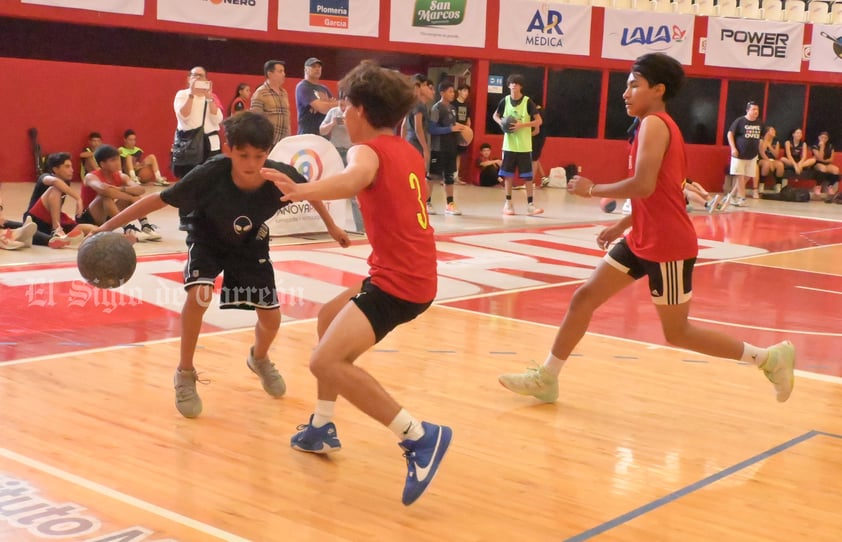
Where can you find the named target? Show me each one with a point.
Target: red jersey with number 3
(661, 229)
(403, 249)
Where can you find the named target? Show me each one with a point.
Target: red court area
(523, 274)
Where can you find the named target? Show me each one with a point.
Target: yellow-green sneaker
(779, 368)
(536, 381)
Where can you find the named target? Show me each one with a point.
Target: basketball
(608, 205)
(106, 259)
(465, 136)
(509, 124)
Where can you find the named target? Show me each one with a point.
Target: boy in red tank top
(661, 244)
(387, 175)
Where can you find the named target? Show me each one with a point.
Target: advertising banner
(450, 22)
(545, 27)
(826, 49)
(248, 14)
(629, 34)
(128, 7)
(351, 17)
(754, 45)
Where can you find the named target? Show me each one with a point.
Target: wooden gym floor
(647, 443)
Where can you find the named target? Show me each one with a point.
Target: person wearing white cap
(312, 99)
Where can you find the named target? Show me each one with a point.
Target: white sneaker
(536, 381)
(627, 207)
(508, 208)
(25, 233)
(149, 230)
(139, 236)
(779, 368)
(532, 210)
(7, 240)
(711, 205)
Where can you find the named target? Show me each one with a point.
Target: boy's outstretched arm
(340, 235)
(142, 207)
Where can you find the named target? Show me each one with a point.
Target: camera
(202, 85)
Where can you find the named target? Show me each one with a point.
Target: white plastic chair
(796, 11)
(599, 3)
(621, 4)
(818, 12)
(705, 7)
(836, 13)
(662, 6)
(750, 9)
(773, 10)
(684, 7)
(642, 5)
(727, 8)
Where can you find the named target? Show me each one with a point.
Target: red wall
(66, 101)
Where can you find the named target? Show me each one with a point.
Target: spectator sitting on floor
(489, 174)
(45, 206)
(86, 157)
(135, 165)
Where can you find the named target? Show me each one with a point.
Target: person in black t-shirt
(226, 233)
(744, 139)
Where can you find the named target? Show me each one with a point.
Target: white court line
(651, 346)
(761, 328)
(122, 497)
(134, 345)
(837, 292)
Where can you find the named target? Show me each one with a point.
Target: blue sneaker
(316, 440)
(422, 459)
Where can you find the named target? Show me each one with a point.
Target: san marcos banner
(452, 22)
(628, 34)
(128, 7)
(248, 14)
(754, 45)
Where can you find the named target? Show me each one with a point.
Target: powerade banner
(826, 49)
(128, 7)
(351, 17)
(546, 27)
(248, 14)
(448, 22)
(629, 34)
(754, 45)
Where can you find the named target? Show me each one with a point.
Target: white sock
(323, 413)
(405, 427)
(553, 364)
(157, 173)
(754, 355)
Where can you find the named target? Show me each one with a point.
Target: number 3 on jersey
(423, 219)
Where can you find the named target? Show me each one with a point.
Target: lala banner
(248, 14)
(128, 7)
(545, 27)
(453, 22)
(628, 34)
(826, 49)
(754, 45)
(351, 17)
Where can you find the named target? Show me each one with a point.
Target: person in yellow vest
(517, 116)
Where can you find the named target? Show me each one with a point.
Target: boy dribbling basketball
(229, 200)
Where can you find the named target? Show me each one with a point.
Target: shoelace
(152, 227)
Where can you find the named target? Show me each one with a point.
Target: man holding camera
(191, 105)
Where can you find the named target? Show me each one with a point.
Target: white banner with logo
(314, 157)
(545, 27)
(249, 14)
(754, 45)
(454, 22)
(351, 17)
(629, 34)
(826, 49)
(128, 7)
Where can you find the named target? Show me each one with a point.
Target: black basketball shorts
(248, 276)
(384, 311)
(670, 283)
(520, 161)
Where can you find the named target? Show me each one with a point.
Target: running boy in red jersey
(662, 244)
(387, 175)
